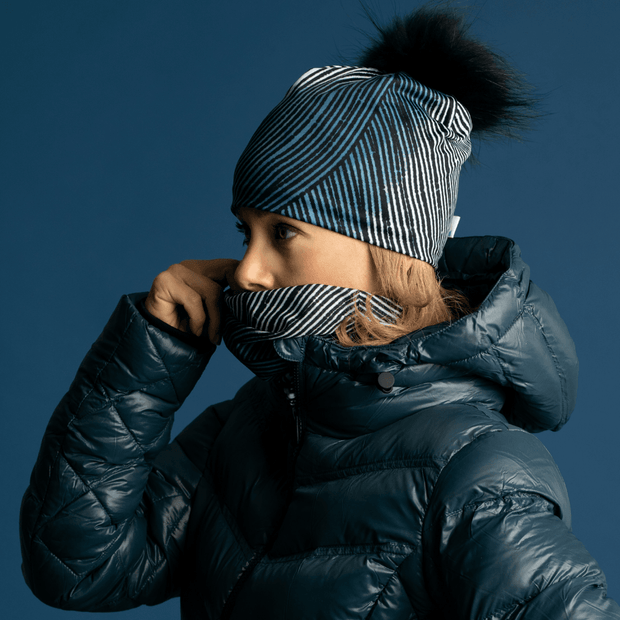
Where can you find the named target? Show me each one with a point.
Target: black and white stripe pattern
(256, 319)
(369, 155)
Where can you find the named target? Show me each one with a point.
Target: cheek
(356, 266)
(307, 264)
(334, 260)
(347, 265)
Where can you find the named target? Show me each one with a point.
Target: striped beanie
(371, 155)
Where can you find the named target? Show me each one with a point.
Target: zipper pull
(290, 391)
(292, 399)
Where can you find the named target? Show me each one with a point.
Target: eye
(245, 230)
(283, 232)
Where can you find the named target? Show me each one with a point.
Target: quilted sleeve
(101, 529)
(497, 542)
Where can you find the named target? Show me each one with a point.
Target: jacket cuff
(200, 343)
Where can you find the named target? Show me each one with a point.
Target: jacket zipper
(292, 395)
(293, 400)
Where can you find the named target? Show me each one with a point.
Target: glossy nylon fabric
(430, 501)
(370, 155)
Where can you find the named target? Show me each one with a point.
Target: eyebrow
(259, 213)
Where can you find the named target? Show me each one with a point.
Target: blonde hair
(413, 285)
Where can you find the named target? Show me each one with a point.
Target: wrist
(201, 343)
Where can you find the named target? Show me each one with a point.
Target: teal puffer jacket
(430, 499)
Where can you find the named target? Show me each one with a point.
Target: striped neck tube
(254, 320)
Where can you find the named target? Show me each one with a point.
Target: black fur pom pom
(432, 46)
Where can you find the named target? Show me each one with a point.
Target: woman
(381, 464)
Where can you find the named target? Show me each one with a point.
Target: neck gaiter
(254, 320)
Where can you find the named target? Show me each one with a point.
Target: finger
(219, 270)
(168, 293)
(214, 309)
(230, 278)
(210, 293)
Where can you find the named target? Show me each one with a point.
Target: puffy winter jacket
(429, 499)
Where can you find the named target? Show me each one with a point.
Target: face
(286, 252)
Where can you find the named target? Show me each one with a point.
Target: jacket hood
(515, 341)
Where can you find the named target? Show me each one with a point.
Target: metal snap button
(385, 382)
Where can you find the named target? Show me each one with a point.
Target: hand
(186, 294)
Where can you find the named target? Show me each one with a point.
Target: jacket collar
(512, 353)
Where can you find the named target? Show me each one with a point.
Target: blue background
(120, 125)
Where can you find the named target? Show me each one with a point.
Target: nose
(254, 273)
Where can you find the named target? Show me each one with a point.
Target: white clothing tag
(453, 224)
